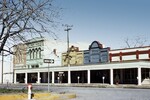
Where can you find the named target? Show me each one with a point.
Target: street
(105, 93)
(111, 94)
(92, 93)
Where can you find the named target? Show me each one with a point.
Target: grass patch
(23, 90)
(4, 90)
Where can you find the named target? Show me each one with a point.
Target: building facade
(20, 55)
(35, 51)
(19, 60)
(139, 56)
(96, 54)
(95, 65)
(75, 57)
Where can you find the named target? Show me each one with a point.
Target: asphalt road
(112, 94)
(91, 93)
(105, 93)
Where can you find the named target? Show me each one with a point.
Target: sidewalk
(104, 85)
(96, 85)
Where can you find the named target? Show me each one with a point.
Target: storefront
(97, 65)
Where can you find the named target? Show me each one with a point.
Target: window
(20, 59)
(33, 53)
(95, 58)
(30, 53)
(39, 50)
(28, 66)
(32, 66)
(19, 56)
(35, 66)
(36, 53)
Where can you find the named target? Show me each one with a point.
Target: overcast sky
(110, 22)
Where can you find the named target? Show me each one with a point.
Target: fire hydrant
(30, 94)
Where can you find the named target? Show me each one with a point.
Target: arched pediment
(95, 44)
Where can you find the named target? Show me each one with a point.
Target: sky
(110, 22)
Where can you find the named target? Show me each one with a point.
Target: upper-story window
(35, 53)
(30, 54)
(19, 56)
(39, 53)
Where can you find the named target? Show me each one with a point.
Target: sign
(49, 61)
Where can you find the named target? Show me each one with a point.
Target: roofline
(35, 40)
(130, 48)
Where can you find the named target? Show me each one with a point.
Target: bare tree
(23, 19)
(137, 42)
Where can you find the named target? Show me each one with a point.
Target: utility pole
(2, 54)
(5, 24)
(68, 28)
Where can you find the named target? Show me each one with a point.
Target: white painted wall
(130, 49)
(7, 70)
(143, 56)
(49, 46)
(61, 47)
(130, 57)
(116, 58)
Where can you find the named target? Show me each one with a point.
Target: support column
(26, 78)
(53, 77)
(39, 78)
(149, 72)
(111, 77)
(89, 77)
(15, 81)
(69, 76)
(139, 76)
(121, 75)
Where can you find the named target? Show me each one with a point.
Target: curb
(38, 96)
